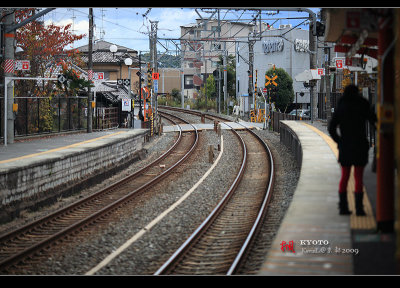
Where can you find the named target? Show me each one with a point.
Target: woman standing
(351, 116)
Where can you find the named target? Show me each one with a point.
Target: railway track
(219, 245)
(24, 245)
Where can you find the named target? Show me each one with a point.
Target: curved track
(220, 243)
(23, 245)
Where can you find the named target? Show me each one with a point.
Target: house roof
(109, 89)
(104, 45)
(101, 53)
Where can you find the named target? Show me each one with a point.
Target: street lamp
(113, 48)
(18, 50)
(128, 62)
(301, 94)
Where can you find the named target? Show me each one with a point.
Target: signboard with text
(22, 65)
(126, 105)
(98, 76)
(339, 63)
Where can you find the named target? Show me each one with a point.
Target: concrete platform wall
(28, 182)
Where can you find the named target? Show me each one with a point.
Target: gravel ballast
(155, 246)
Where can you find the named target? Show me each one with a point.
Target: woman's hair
(351, 91)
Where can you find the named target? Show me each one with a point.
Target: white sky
(128, 27)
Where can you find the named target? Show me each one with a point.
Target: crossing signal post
(149, 93)
(271, 86)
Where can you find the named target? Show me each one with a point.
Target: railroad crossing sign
(271, 80)
(61, 78)
(125, 82)
(155, 76)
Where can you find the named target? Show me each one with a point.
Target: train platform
(25, 148)
(313, 238)
(35, 170)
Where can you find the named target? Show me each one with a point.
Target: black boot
(359, 203)
(343, 205)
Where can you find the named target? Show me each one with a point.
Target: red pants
(358, 175)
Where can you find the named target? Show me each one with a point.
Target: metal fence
(278, 116)
(106, 118)
(43, 115)
(322, 110)
(322, 103)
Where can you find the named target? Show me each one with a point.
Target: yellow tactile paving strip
(356, 222)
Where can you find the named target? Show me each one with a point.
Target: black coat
(351, 116)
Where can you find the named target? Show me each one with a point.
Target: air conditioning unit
(283, 26)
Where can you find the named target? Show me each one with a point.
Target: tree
(75, 83)
(210, 87)
(282, 94)
(43, 45)
(176, 95)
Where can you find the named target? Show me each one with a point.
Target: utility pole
(328, 84)
(219, 88)
(9, 29)
(9, 62)
(327, 53)
(140, 114)
(250, 72)
(205, 76)
(313, 65)
(226, 98)
(153, 57)
(90, 72)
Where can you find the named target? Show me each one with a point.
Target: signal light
(320, 29)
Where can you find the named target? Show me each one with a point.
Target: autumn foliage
(47, 47)
(44, 46)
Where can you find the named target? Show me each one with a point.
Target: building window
(216, 46)
(188, 82)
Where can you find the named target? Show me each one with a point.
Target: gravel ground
(146, 254)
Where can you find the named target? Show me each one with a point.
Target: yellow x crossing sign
(271, 79)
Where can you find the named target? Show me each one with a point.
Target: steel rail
(90, 219)
(246, 245)
(90, 197)
(169, 265)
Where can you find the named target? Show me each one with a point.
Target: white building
(283, 47)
